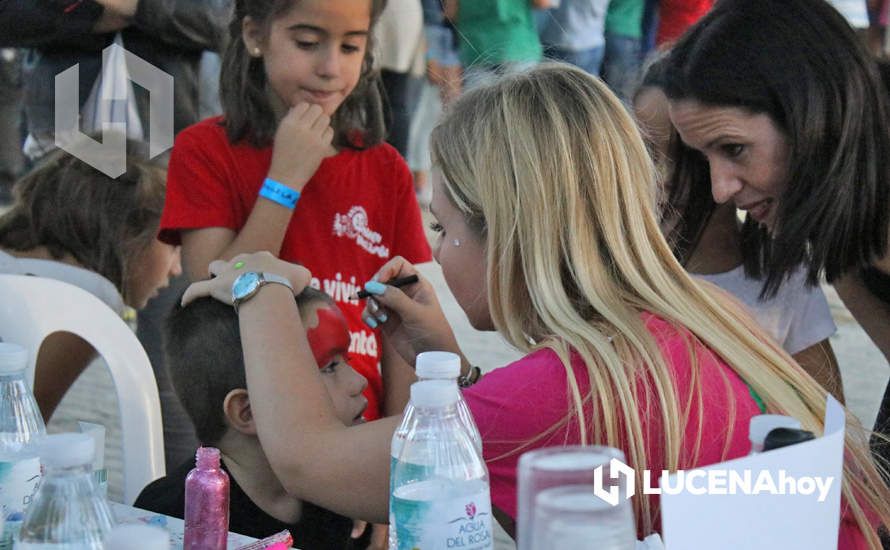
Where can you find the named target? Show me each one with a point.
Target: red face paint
(330, 337)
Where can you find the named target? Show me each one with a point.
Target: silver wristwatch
(249, 283)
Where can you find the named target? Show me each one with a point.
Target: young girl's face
(151, 271)
(314, 52)
(328, 336)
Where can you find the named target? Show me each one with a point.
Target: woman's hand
(411, 317)
(224, 274)
(302, 141)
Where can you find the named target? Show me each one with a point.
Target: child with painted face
(207, 372)
(297, 166)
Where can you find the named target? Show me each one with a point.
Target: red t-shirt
(357, 212)
(675, 16)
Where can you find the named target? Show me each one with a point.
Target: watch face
(245, 285)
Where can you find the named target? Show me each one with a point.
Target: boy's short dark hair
(205, 359)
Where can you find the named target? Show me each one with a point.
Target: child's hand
(411, 316)
(224, 274)
(302, 141)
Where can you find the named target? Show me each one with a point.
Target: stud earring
(456, 242)
(256, 52)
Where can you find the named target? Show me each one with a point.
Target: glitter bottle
(206, 503)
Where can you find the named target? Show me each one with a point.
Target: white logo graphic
(354, 225)
(709, 482)
(616, 470)
(114, 99)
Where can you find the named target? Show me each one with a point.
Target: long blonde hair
(552, 172)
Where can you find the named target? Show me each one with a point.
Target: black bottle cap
(783, 437)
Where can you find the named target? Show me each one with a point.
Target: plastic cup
(557, 467)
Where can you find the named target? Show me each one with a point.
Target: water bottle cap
(763, 424)
(132, 536)
(13, 358)
(67, 450)
(438, 365)
(433, 393)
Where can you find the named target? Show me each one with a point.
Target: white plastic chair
(32, 308)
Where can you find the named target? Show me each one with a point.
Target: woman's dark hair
(800, 63)
(104, 223)
(358, 122)
(689, 201)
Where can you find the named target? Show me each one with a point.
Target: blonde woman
(547, 235)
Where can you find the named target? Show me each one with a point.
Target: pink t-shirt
(515, 404)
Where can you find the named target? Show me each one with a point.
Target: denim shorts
(441, 46)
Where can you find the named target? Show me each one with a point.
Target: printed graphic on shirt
(337, 288)
(354, 225)
(362, 343)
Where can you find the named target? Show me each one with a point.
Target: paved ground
(863, 368)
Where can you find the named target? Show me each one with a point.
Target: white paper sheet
(765, 521)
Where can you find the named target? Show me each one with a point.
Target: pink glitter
(206, 503)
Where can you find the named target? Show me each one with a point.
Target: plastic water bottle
(442, 365)
(69, 512)
(441, 496)
(761, 425)
(435, 365)
(21, 428)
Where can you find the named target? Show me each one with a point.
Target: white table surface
(174, 526)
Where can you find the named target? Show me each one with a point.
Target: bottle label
(19, 482)
(424, 520)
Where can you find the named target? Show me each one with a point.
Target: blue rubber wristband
(279, 193)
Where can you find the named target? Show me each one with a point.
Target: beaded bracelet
(467, 380)
(279, 193)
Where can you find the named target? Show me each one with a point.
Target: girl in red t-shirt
(297, 166)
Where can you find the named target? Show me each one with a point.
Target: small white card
(779, 515)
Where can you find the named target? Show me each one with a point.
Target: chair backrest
(32, 308)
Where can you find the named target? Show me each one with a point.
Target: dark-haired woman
(72, 223)
(797, 316)
(792, 114)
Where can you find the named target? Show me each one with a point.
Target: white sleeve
(811, 319)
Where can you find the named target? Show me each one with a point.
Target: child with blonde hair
(548, 234)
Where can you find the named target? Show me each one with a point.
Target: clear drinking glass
(558, 507)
